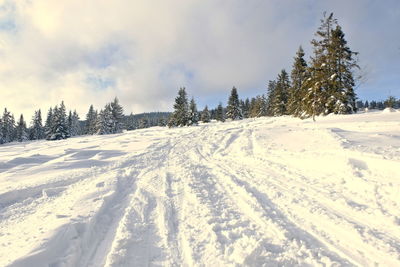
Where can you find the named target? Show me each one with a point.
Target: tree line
(321, 86)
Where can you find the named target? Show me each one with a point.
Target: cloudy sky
(89, 51)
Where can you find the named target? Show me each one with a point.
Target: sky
(142, 51)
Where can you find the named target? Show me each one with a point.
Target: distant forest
(322, 86)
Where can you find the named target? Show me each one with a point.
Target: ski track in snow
(258, 192)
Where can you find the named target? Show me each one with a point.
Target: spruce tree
(205, 115)
(342, 80)
(8, 127)
(297, 90)
(59, 124)
(220, 116)
(331, 83)
(193, 113)
(21, 130)
(280, 94)
(233, 110)
(270, 97)
(91, 121)
(105, 122)
(180, 116)
(117, 113)
(37, 130)
(75, 128)
(49, 124)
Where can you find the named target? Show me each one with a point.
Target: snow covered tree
(205, 115)
(270, 97)
(37, 129)
(299, 75)
(193, 113)
(245, 107)
(233, 110)
(48, 127)
(258, 106)
(331, 83)
(59, 127)
(280, 95)
(105, 122)
(144, 123)
(117, 113)
(220, 116)
(8, 127)
(390, 102)
(91, 121)
(21, 130)
(73, 124)
(180, 116)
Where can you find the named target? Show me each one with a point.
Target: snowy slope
(263, 192)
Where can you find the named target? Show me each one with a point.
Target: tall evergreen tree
(49, 123)
(8, 127)
(105, 122)
(193, 113)
(91, 121)
(270, 97)
(21, 130)
(117, 113)
(74, 126)
(233, 110)
(37, 130)
(342, 80)
(297, 90)
(205, 115)
(245, 107)
(220, 116)
(280, 96)
(180, 116)
(59, 124)
(331, 83)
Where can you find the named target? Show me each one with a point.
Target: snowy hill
(270, 191)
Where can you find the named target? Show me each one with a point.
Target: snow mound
(259, 192)
(389, 110)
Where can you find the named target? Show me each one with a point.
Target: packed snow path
(263, 192)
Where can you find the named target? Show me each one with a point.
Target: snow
(257, 192)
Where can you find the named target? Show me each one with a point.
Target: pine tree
(390, 102)
(69, 123)
(299, 75)
(21, 130)
(105, 122)
(205, 115)
(342, 80)
(59, 124)
(180, 116)
(245, 107)
(331, 82)
(220, 116)
(280, 94)
(233, 110)
(144, 123)
(8, 127)
(75, 128)
(91, 121)
(37, 130)
(193, 113)
(117, 113)
(270, 97)
(49, 124)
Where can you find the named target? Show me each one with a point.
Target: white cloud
(88, 51)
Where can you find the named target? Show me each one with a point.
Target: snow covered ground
(258, 192)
